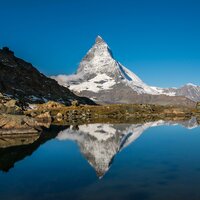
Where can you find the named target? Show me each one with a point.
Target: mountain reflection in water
(99, 143)
(103, 161)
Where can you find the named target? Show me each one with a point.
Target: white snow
(32, 106)
(162, 91)
(34, 98)
(100, 82)
(191, 84)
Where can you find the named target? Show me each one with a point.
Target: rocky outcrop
(16, 130)
(24, 82)
(11, 123)
(50, 105)
(10, 106)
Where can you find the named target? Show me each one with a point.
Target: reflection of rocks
(15, 138)
(12, 151)
(190, 124)
(99, 143)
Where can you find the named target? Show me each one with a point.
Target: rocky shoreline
(16, 117)
(82, 114)
(14, 120)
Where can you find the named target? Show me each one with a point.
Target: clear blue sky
(158, 39)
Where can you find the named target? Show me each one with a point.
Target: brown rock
(16, 137)
(50, 105)
(44, 119)
(20, 122)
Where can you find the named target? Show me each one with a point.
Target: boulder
(9, 106)
(21, 122)
(75, 103)
(50, 105)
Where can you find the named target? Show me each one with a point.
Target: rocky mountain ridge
(104, 79)
(20, 80)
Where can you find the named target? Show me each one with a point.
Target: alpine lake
(127, 159)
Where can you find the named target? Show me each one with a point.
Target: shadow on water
(16, 152)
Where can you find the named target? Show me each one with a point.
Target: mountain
(104, 79)
(100, 143)
(189, 90)
(21, 80)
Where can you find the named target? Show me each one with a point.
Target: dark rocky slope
(22, 81)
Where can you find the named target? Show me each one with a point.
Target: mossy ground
(114, 113)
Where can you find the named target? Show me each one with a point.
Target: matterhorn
(105, 80)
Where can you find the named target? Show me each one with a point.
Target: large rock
(10, 106)
(21, 122)
(50, 105)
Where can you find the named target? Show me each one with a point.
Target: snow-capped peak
(191, 84)
(100, 60)
(100, 72)
(97, 59)
(99, 39)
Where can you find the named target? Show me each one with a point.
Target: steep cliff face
(21, 80)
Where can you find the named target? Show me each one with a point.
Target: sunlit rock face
(99, 143)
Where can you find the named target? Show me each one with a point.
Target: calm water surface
(155, 160)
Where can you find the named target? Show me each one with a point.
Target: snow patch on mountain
(191, 84)
(99, 82)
